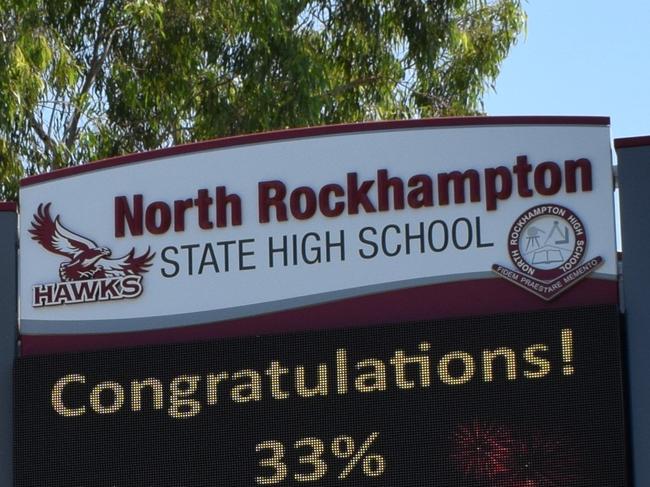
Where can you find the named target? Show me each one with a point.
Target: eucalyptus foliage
(82, 80)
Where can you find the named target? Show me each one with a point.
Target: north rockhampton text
(276, 202)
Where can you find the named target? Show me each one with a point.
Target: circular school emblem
(546, 241)
(547, 244)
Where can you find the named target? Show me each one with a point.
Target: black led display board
(512, 400)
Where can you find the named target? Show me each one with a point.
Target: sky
(580, 57)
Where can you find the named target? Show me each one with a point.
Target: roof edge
(626, 142)
(8, 206)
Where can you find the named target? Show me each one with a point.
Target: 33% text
(313, 456)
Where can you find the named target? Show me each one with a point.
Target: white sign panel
(255, 225)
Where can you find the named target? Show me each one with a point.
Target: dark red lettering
(459, 179)
(325, 203)
(522, 169)
(358, 195)
(384, 185)
(225, 201)
(180, 206)
(492, 194)
(266, 200)
(158, 217)
(554, 175)
(422, 195)
(203, 202)
(298, 195)
(571, 169)
(124, 214)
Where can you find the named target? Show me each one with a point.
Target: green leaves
(86, 80)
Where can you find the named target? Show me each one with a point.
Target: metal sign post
(8, 323)
(634, 177)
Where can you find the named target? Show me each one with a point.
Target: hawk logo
(89, 273)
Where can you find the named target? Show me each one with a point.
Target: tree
(85, 80)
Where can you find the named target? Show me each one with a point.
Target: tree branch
(352, 84)
(96, 63)
(48, 142)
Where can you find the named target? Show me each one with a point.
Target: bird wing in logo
(126, 265)
(87, 260)
(53, 236)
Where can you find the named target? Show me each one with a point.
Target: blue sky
(580, 57)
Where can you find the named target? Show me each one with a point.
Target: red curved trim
(435, 301)
(626, 142)
(8, 206)
(314, 132)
